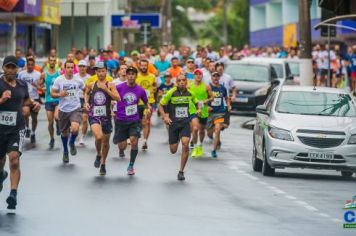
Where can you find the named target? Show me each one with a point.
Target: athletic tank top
(49, 80)
(201, 94)
(100, 103)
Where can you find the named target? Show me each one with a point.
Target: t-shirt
(49, 81)
(227, 82)
(73, 87)
(11, 118)
(31, 79)
(165, 88)
(84, 78)
(116, 82)
(162, 66)
(219, 94)
(353, 62)
(127, 107)
(146, 82)
(94, 78)
(175, 71)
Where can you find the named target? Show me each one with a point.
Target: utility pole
(72, 26)
(225, 22)
(169, 21)
(305, 44)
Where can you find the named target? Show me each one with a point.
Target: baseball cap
(91, 57)
(135, 52)
(82, 63)
(131, 68)
(167, 74)
(190, 59)
(100, 65)
(10, 60)
(198, 71)
(215, 73)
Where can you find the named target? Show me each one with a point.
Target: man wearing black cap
(13, 96)
(91, 65)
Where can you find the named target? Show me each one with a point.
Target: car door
(262, 121)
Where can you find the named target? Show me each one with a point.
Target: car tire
(346, 174)
(256, 163)
(267, 170)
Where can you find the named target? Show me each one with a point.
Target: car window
(294, 68)
(246, 72)
(279, 70)
(270, 101)
(316, 103)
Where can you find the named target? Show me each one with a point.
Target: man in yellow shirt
(148, 82)
(94, 77)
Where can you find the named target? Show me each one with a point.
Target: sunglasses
(190, 62)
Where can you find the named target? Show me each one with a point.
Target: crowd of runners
(112, 93)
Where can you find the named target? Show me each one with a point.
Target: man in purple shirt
(127, 120)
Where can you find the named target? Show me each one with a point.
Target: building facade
(275, 23)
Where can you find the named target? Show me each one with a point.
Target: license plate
(242, 99)
(321, 155)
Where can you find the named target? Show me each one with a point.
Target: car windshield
(279, 70)
(254, 73)
(294, 67)
(316, 103)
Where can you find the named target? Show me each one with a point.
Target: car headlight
(280, 133)
(262, 91)
(352, 139)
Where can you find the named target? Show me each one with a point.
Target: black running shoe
(51, 144)
(33, 138)
(191, 145)
(3, 176)
(97, 162)
(181, 176)
(65, 157)
(11, 202)
(121, 153)
(144, 146)
(102, 170)
(73, 149)
(27, 133)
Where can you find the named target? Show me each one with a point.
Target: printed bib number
(99, 110)
(72, 93)
(181, 112)
(216, 102)
(131, 110)
(8, 118)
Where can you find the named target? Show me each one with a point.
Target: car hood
(250, 86)
(293, 122)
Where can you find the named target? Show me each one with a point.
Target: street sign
(134, 21)
(326, 14)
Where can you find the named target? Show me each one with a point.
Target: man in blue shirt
(162, 65)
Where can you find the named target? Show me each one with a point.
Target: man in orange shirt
(175, 69)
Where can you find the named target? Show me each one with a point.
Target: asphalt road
(219, 197)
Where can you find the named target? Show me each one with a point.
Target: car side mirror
(275, 82)
(290, 77)
(262, 109)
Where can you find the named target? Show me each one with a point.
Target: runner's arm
(55, 91)
(210, 94)
(30, 102)
(113, 93)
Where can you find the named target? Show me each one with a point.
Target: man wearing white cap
(83, 75)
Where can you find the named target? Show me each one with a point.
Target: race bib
(99, 110)
(216, 102)
(8, 118)
(181, 112)
(72, 93)
(131, 110)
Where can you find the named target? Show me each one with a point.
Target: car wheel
(267, 170)
(256, 163)
(346, 174)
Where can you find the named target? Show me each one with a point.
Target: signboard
(326, 14)
(290, 35)
(50, 12)
(27, 7)
(134, 21)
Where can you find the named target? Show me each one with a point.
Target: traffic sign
(134, 21)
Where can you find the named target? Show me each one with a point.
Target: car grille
(307, 131)
(321, 142)
(304, 157)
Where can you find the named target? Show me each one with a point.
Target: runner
(148, 82)
(203, 94)
(127, 119)
(216, 118)
(31, 77)
(98, 97)
(13, 96)
(67, 89)
(51, 104)
(84, 76)
(177, 103)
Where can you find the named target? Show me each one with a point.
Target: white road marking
(290, 197)
(324, 215)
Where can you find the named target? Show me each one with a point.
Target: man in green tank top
(203, 94)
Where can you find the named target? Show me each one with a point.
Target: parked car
(253, 82)
(294, 65)
(305, 127)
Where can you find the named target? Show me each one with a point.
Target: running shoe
(213, 154)
(130, 170)
(81, 140)
(181, 176)
(195, 152)
(65, 157)
(51, 144)
(97, 162)
(27, 133)
(33, 138)
(200, 151)
(191, 145)
(144, 146)
(11, 202)
(73, 149)
(2, 179)
(121, 154)
(102, 170)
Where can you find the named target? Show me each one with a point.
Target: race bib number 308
(8, 118)
(182, 112)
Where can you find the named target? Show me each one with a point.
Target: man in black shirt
(13, 96)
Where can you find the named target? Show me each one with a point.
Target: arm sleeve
(166, 98)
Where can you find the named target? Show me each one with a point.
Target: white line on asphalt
(262, 182)
(324, 215)
(336, 220)
(290, 197)
(233, 167)
(250, 176)
(276, 190)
